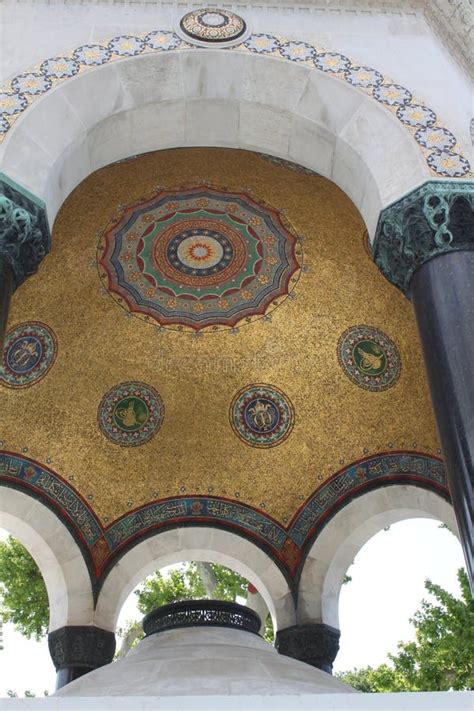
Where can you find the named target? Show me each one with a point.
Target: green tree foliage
(23, 596)
(186, 583)
(441, 656)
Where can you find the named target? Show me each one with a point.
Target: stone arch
(196, 543)
(55, 552)
(229, 98)
(346, 533)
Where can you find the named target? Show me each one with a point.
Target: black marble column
(6, 290)
(313, 643)
(77, 650)
(442, 292)
(425, 246)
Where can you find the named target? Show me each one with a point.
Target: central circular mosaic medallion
(130, 414)
(369, 358)
(261, 415)
(29, 352)
(199, 259)
(212, 25)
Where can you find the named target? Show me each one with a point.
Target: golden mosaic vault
(292, 348)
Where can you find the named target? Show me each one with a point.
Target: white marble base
(445, 701)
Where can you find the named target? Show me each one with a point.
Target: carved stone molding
(24, 231)
(434, 219)
(86, 647)
(313, 643)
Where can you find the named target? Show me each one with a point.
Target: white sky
(387, 586)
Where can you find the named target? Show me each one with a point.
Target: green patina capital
(434, 219)
(24, 231)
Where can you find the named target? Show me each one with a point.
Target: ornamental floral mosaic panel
(199, 258)
(443, 158)
(212, 25)
(369, 358)
(130, 414)
(261, 415)
(103, 545)
(29, 352)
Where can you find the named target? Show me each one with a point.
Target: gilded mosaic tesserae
(209, 323)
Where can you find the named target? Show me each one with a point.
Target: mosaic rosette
(60, 67)
(369, 358)
(392, 95)
(29, 352)
(261, 415)
(162, 41)
(12, 103)
(297, 51)
(92, 55)
(332, 62)
(130, 414)
(416, 115)
(213, 25)
(126, 46)
(364, 77)
(438, 138)
(199, 258)
(449, 164)
(31, 83)
(261, 43)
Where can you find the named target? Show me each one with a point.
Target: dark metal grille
(192, 613)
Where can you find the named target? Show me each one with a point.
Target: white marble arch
(213, 97)
(346, 533)
(55, 552)
(195, 543)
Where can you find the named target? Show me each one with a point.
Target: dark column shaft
(442, 291)
(6, 290)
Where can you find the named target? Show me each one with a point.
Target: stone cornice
(451, 20)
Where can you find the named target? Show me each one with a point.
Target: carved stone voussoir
(434, 219)
(81, 646)
(313, 643)
(24, 231)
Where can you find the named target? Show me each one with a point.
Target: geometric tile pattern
(444, 158)
(199, 258)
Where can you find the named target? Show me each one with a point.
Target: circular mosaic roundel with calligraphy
(29, 352)
(369, 358)
(213, 25)
(199, 258)
(261, 415)
(131, 413)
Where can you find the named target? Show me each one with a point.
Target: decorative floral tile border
(439, 146)
(102, 545)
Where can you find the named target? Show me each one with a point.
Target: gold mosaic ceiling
(294, 349)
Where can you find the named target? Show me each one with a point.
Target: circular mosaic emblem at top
(199, 258)
(131, 413)
(369, 358)
(212, 25)
(29, 352)
(261, 415)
